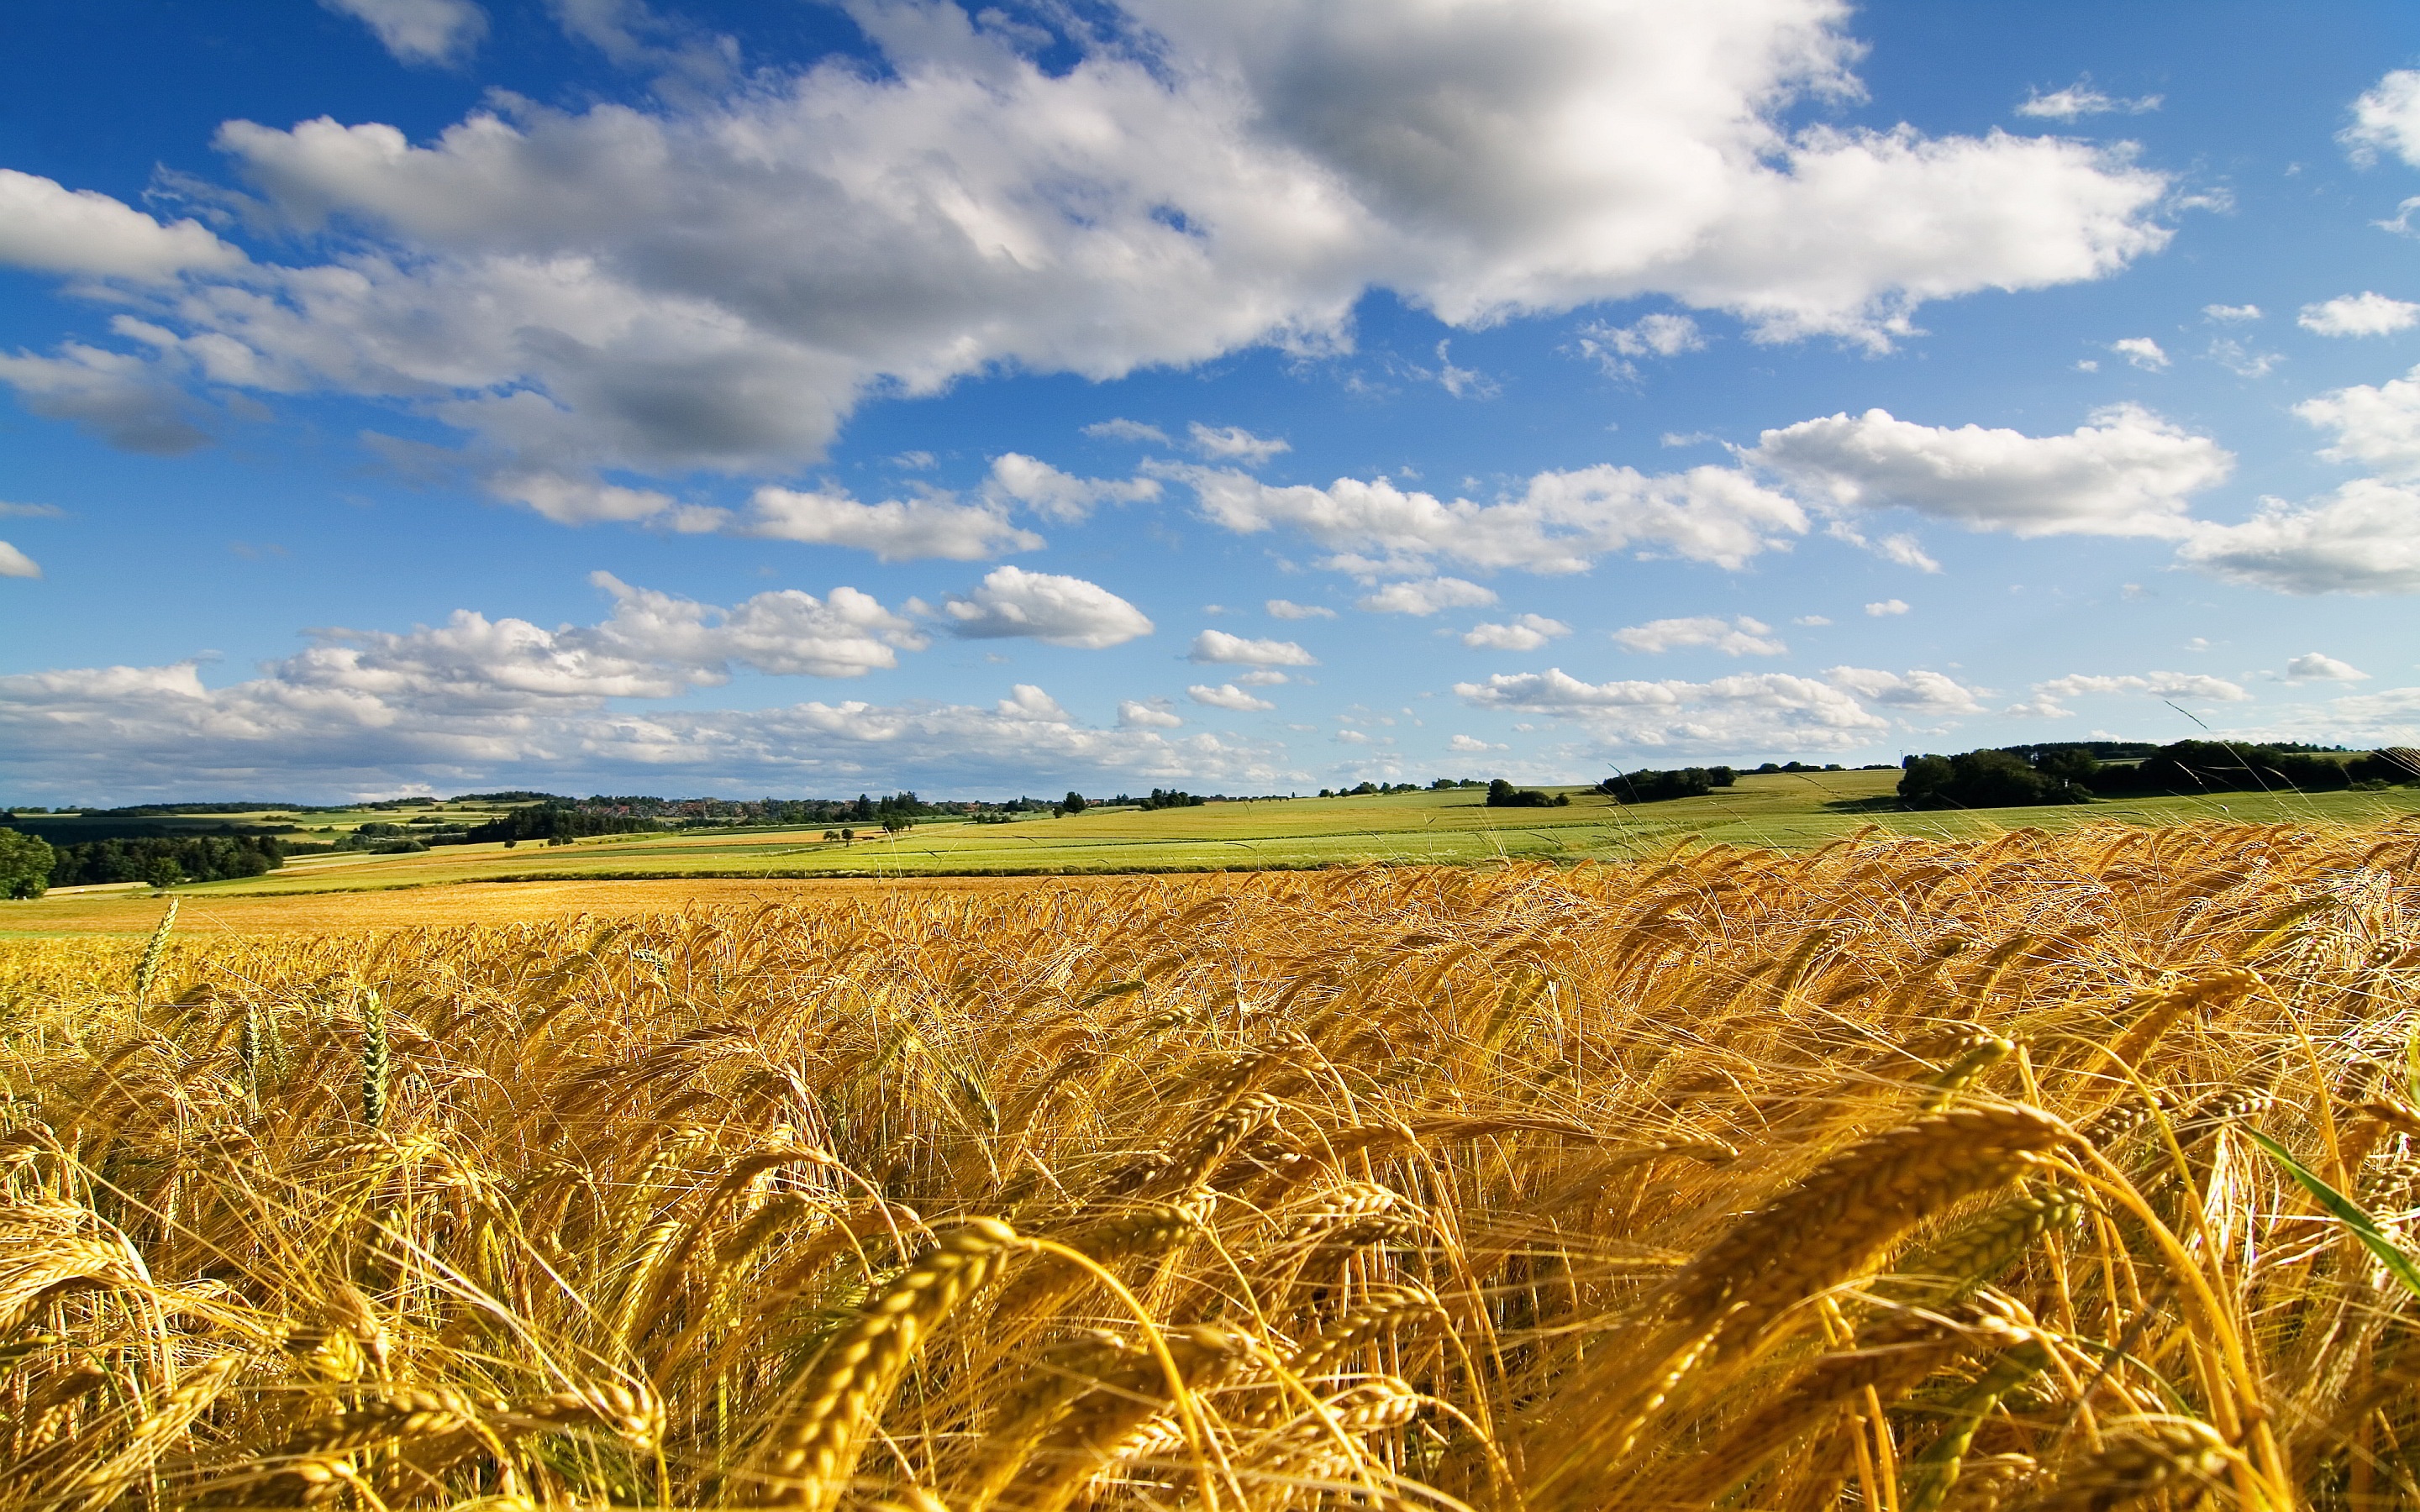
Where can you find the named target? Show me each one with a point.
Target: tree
(164, 871)
(1074, 803)
(24, 864)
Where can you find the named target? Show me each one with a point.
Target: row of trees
(1651, 786)
(2020, 776)
(29, 865)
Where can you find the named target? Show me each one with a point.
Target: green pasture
(1454, 826)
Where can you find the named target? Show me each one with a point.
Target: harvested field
(1901, 1174)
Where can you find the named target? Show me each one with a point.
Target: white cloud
(2143, 352)
(1216, 647)
(2376, 425)
(1286, 608)
(1226, 696)
(1471, 746)
(2386, 118)
(1263, 677)
(1154, 715)
(2363, 538)
(2314, 666)
(1126, 430)
(1044, 606)
(2081, 98)
(915, 461)
(1761, 710)
(1561, 522)
(1886, 607)
(16, 563)
(1016, 478)
(2127, 472)
(2366, 313)
(1653, 335)
(1526, 633)
(785, 633)
(10, 511)
(1812, 620)
(1741, 636)
(1915, 694)
(52, 230)
(1427, 596)
(1233, 443)
(714, 279)
(2049, 698)
(2230, 313)
(419, 31)
(2242, 361)
(124, 400)
(895, 529)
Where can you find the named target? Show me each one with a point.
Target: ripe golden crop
(1900, 1174)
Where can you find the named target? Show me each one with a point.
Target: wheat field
(1903, 1175)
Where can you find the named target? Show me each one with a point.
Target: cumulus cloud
(1018, 479)
(16, 563)
(2366, 313)
(52, 230)
(1560, 522)
(1916, 694)
(1226, 696)
(1233, 443)
(1427, 596)
(2363, 538)
(1155, 714)
(1286, 608)
(2049, 698)
(124, 400)
(1471, 746)
(1741, 636)
(1763, 711)
(2375, 424)
(1126, 430)
(785, 633)
(2126, 473)
(2081, 98)
(2386, 118)
(1219, 648)
(2143, 352)
(1660, 335)
(1041, 606)
(895, 529)
(2314, 666)
(714, 279)
(1526, 633)
(1886, 607)
(419, 31)
(2230, 314)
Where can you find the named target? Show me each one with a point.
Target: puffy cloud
(2082, 99)
(1234, 443)
(2378, 425)
(1226, 696)
(1812, 620)
(1042, 606)
(2230, 313)
(2365, 314)
(1263, 677)
(46, 227)
(1126, 430)
(419, 31)
(2127, 472)
(714, 280)
(1016, 478)
(1470, 746)
(1661, 334)
(895, 529)
(2314, 666)
(1763, 711)
(2386, 118)
(1742, 636)
(784, 632)
(1216, 647)
(16, 563)
(2363, 538)
(1154, 715)
(122, 399)
(1916, 694)
(1886, 607)
(1561, 522)
(1427, 596)
(1286, 608)
(2143, 352)
(2049, 698)
(1526, 633)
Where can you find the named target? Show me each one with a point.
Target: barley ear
(375, 1061)
(154, 954)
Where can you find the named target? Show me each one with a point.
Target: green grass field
(1449, 826)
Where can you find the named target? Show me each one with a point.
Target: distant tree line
(2020, 776)
(166, 861)
(1652, 786)
(1503, 794)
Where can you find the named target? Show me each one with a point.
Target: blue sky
(409, 396)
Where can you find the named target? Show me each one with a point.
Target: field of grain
(2052, 1170)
